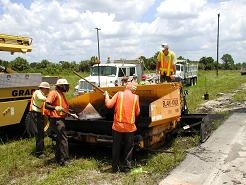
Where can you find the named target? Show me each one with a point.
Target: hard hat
(45, 85)
(62, 81)
(164, 46)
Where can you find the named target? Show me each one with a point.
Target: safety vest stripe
(43, 110)
(60, 102)
(169, 64)
(163, 68)
(133, 109)
(121, 107)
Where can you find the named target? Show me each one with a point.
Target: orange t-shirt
(56, 98)
(126, 109)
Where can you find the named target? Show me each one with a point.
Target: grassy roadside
(208, 82)
(90, 165)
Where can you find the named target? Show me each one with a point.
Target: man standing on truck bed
(58, 106)
(126, 105)
(165, 65)
(36, 108)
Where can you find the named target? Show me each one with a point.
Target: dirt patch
(223, 103)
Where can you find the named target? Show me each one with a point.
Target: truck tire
(195, 80)
(191, 81)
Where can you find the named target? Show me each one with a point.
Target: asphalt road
(220, 160)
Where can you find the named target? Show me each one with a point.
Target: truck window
(122, 72)
(104, 71)
(132, 71)
(177, 67)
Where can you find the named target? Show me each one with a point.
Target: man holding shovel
(58, 108)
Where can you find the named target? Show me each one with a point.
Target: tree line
(47, 67)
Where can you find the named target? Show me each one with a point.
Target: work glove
(75, 116)
(105, 93)
(58, 108)
(172, 77)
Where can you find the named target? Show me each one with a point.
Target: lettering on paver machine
(170, 103)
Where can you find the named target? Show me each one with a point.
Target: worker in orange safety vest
(36, 109)
(58, 106)
(126, 108)
(166, 64)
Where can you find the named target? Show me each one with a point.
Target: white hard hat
(45, 85)
(164, 46)
(62, 81)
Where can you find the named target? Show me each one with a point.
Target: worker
(124, 80)
(36, 109)
(143, 79)
(134, 80)
(166, 63)
(58, 106)
(126, 108)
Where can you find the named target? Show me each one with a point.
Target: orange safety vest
(61, 102)
(166, 66)
(125, 110)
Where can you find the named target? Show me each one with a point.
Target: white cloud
(65, 30)
(178, 9)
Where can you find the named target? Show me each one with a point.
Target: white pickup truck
(110, 74)
(187, 72)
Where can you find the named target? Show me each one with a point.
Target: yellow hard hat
(45, 85)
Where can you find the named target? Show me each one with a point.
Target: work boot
(64, 163)
(40, 155)
(115, 169)
(125, 169)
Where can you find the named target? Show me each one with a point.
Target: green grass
(208, 82)
(240, 96)
(18, 165)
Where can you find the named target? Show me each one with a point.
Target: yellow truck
(15, 88)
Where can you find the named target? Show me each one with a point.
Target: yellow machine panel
(11, 112)
(166, 108)
(17, 92)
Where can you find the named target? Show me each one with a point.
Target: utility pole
(218, 31)
(98, 53)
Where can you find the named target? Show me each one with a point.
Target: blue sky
(150, 14)
(64, 30)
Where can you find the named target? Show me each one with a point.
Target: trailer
(162, 108)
